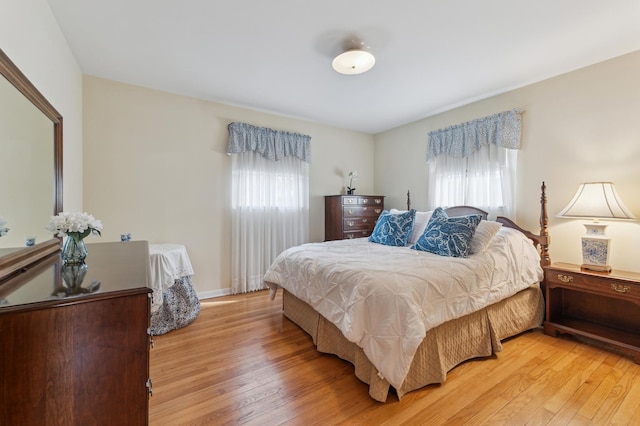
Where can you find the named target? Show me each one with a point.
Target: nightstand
(601, 306)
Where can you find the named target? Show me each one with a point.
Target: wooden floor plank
(628, 413)
(604, 389)
(241, 362)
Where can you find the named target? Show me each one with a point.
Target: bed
(405, 317)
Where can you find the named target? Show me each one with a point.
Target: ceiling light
(353, 61)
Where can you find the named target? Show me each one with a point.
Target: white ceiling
(275, 55)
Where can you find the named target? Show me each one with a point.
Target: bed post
(408, 200)
(545, 259)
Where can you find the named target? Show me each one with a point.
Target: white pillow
(419, 224)
(485, 232)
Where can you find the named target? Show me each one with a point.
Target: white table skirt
(169, 262)
(175, 303)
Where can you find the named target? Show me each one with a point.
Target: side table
(175, 303)
(601, 306)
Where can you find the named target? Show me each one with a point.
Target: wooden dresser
(78, 359)
(351, 216)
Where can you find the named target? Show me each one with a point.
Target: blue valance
(271, 144)
(501, 129)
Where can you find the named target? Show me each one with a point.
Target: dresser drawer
(603, 285)
(359, 211)
(359, 223)
(361, 233)
(362, 200)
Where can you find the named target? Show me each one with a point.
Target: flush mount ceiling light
(354, 61)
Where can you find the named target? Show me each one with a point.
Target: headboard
(541, 241)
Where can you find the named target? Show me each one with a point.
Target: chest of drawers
(351, 216)
(81, 359)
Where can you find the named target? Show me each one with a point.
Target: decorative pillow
(485, 232)
(448, 236)
(393, 229)
(419, 224)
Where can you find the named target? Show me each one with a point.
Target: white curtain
(270, 213)
(484, 179)
(474, 163)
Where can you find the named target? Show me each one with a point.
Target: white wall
(31, 38)
(578, 127)
(155, 165)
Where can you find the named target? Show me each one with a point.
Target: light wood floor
(241, 362)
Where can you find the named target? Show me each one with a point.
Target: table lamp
(596, 200)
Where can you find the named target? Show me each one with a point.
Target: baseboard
(214, 293)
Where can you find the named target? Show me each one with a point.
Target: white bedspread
(385, 299)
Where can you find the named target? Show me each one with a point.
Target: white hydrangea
(80, 224)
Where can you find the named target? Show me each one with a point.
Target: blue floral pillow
(393, 229)
(448, 236)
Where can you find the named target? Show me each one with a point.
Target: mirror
(31, 141)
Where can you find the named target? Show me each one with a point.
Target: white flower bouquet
(3, 228)
(75, 225)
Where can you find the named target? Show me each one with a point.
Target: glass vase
(74, 251)
(73, 275)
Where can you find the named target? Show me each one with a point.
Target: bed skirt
(478, 334)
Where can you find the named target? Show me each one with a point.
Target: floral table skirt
(180, 306)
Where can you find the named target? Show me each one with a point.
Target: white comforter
(385, 299)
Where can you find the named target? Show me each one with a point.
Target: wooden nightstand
(598, 305)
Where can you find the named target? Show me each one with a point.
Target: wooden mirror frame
(20, 260)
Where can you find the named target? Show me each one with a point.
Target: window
(475, 163)
(484, 179)
(269, 200)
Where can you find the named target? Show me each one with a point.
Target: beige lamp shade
(596, 200)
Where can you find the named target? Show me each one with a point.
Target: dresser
(598, 305)
(77, 358)
(351, 216)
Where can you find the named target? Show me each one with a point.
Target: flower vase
(73, 275)
(74, 251)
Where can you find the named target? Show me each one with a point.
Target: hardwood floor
(242, 362)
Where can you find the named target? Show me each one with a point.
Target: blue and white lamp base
(595, 248)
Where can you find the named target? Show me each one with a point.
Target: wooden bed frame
(541, 241)
(478, 334)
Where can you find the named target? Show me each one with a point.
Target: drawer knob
(377, 211)
(365, 220)
(349, 200)
(364, 201)
(364, 209)
(350, 223)
(378, 201)
(350, 211)
(565, 278)
(620, 288)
